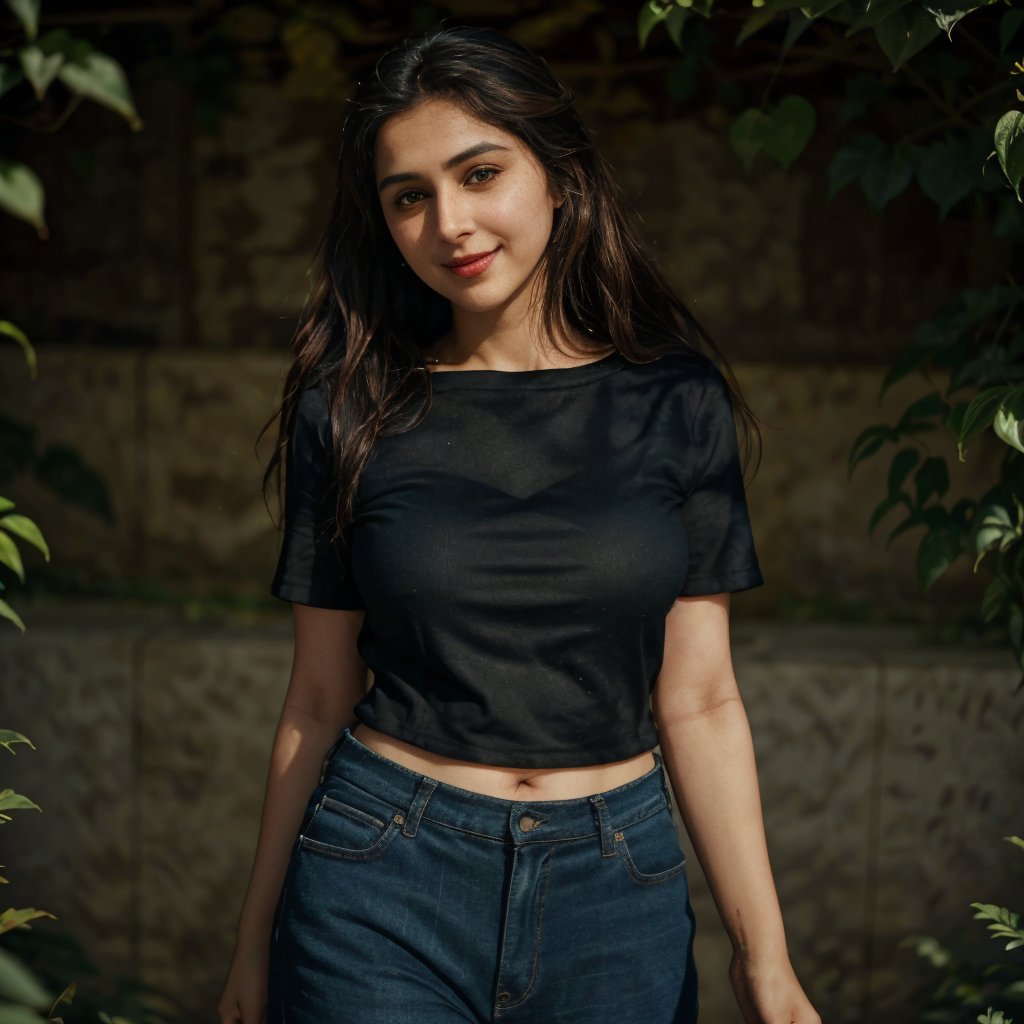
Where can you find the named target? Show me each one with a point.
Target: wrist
(761, 951)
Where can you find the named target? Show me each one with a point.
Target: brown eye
(484, 170)
(405, 195)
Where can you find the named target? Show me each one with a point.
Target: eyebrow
(480, 147)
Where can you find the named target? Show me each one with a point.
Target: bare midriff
(503, 782)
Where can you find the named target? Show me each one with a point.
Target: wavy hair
(368, 317)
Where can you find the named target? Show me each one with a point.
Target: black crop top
(517, 551)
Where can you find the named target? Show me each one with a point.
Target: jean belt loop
(330, 753)
(424, 791)
(663, 775)
(604, 826)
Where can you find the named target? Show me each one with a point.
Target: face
(452, 186)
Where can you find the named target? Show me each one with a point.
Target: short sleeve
(309, 567)
(719, 536)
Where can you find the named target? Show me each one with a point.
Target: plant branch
(952, 113)
(54, 125)
(982, 49)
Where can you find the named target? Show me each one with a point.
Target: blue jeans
(410, 901)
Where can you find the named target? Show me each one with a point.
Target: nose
(453, 213)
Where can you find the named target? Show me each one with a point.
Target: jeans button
(526, 823)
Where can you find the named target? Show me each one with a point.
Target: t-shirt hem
(532, 758)
(299, 594)
(732, 582)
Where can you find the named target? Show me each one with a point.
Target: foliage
(967, 990)
(38, 62)
(971, 351)
(16, 525)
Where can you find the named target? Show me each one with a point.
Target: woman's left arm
(705, 739)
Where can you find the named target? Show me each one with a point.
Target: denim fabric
(410, 901)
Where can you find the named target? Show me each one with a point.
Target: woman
(514, 514)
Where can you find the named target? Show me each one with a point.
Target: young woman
(514, 513)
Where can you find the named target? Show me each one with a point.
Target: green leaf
(11, 918)
(100, 78)
(1009, 25)
(20, 985)
(22, 526)
(27, 12)
(885, 178)
(946, 174)
(904, 33)
(21, 194)
(935, 553)
(790, 124)
(931, 478)
(1009, 143)
(11, 1014)
(868, 441)
(902, 463)
(12, 331)
(674, 23)
(1009, 428)
(10, 76)
(995, 530)
(63, 471)
(7, 612)
(651, 14)
(8, 738)
(929, 406)
(884, 508)
(746, 136)
(850, 162)
(11, 557)
(948, 12)
(994, 600)
(908, 524)
(40, 68)
(979, 415)
(929, 948)
(11, 801)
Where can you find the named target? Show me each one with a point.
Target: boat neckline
(545, 377)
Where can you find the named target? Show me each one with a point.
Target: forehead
(430, 133)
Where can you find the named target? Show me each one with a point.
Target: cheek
(529, 231)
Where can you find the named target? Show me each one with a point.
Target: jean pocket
(350, 824)
(650, 849)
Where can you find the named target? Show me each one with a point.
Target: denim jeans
(410, 901)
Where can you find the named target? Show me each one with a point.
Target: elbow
(673, 707)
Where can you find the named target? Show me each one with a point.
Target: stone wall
(175, 434)
(890, 770)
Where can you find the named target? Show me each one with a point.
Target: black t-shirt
(517, 551)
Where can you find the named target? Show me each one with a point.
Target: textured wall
(889, 768)
(175, 435)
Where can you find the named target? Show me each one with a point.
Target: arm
(705, 740)
(327, 679)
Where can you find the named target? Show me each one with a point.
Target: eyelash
(495, 171)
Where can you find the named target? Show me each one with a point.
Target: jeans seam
(535, 967)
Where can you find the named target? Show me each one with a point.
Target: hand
(769, 993)
(244, 999)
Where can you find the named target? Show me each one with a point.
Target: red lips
(463, 260)
(473, 266)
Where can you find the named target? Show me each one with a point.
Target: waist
(503, 782)
(414, 795)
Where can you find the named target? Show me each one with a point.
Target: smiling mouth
(474, 266)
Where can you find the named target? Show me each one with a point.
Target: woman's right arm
(328, 678)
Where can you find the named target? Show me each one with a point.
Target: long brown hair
(368, 317)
